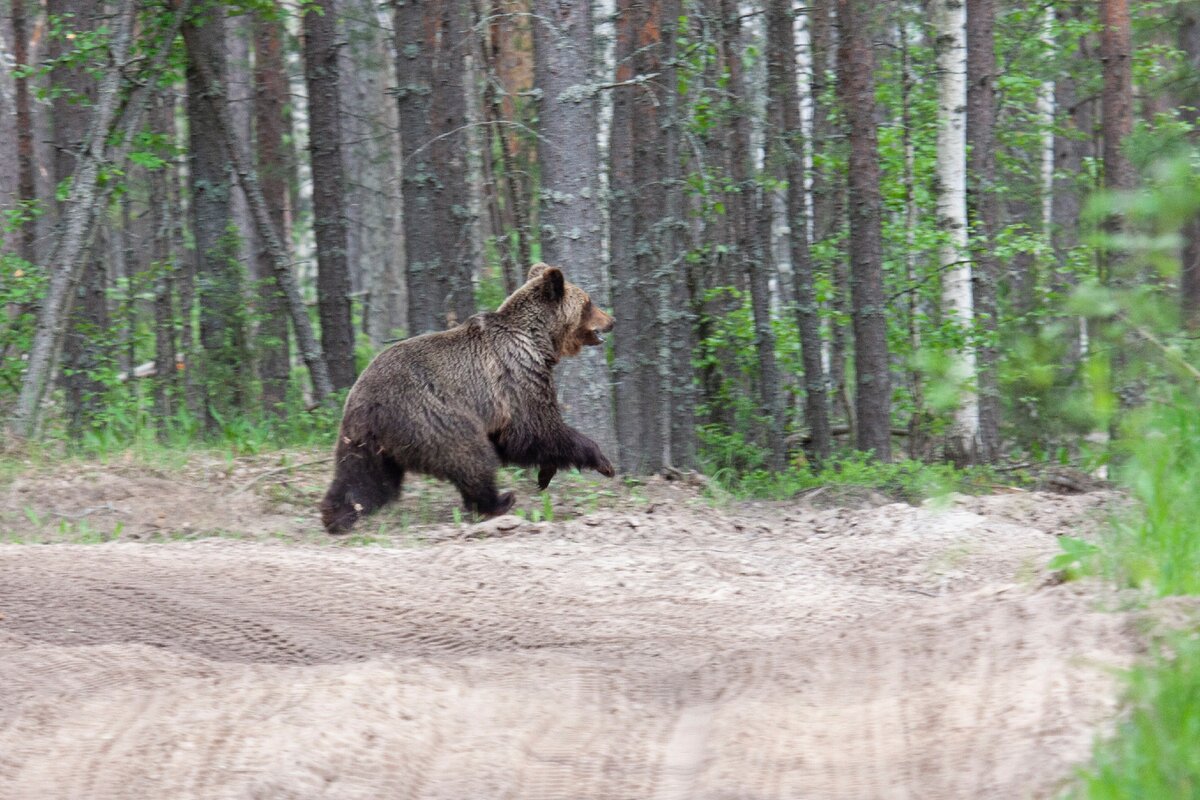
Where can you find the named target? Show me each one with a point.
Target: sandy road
(688, 653)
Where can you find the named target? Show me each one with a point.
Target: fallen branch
(277, 470)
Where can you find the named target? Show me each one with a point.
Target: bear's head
(574, 321)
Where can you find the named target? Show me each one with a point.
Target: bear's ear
(536, 269)
(553, 284)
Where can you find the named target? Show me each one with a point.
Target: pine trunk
(84, 346)
(785, 158)
(271, 120)
(984, 205)
(165, 212)
(638, 162)
(1189, 278)
(630, 405)
(1116, 53)
(1074, 146)
(370, 150)
(677, 403)
(432, 40)
(828, 193)
(570, 225)
(856, 91)
(26, 178)
(306, 340)
(329, 190)
(218, 277)
(749, 249)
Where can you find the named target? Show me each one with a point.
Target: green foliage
(1155, 545)
(907, 480)
(21, 286)
(1154, 753)
(1158, 545)
(1077, 557)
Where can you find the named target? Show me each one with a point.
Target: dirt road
(689, 652)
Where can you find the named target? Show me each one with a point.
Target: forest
(888, 228)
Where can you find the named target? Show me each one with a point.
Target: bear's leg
(364, 480)
(474, 473)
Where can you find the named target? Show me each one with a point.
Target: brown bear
(460, 403)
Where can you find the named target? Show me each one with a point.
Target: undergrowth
(1156, 752)
(907, 480)
(1156, 548)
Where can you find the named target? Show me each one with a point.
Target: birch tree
(949, 21)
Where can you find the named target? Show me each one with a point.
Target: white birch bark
(950, 24)
(1045, 111)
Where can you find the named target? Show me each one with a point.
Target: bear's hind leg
(363, 482)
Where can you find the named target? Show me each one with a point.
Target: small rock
(495, 525)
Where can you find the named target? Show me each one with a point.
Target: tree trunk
(26, 180)
(164, 211)
(1074, 146)
(677, 403)
(828, 195)
(949, 20)
(571, 228)
(329, 190)
(218, 278)
(1116, 54)
(306, 340)
(432, 40)
(785, 158)
(83, 346)
(856, 91)
(749, 249)
(1189, 278)
(984, 204)
(638, 203)
(371, 150)
(630, 405)
(271, 120)
(239, 91)
(79, 217)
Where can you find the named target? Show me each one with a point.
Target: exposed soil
(210, 642)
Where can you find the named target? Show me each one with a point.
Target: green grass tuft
(1156, 753)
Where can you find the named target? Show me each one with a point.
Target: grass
(907, 480)
(1156, 547)
(1156, 752)
(1159, 545)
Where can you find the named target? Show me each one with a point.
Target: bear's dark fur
(459, 404)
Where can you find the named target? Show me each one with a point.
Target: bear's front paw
(604, 467)
(545, 475)
(504, 504)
